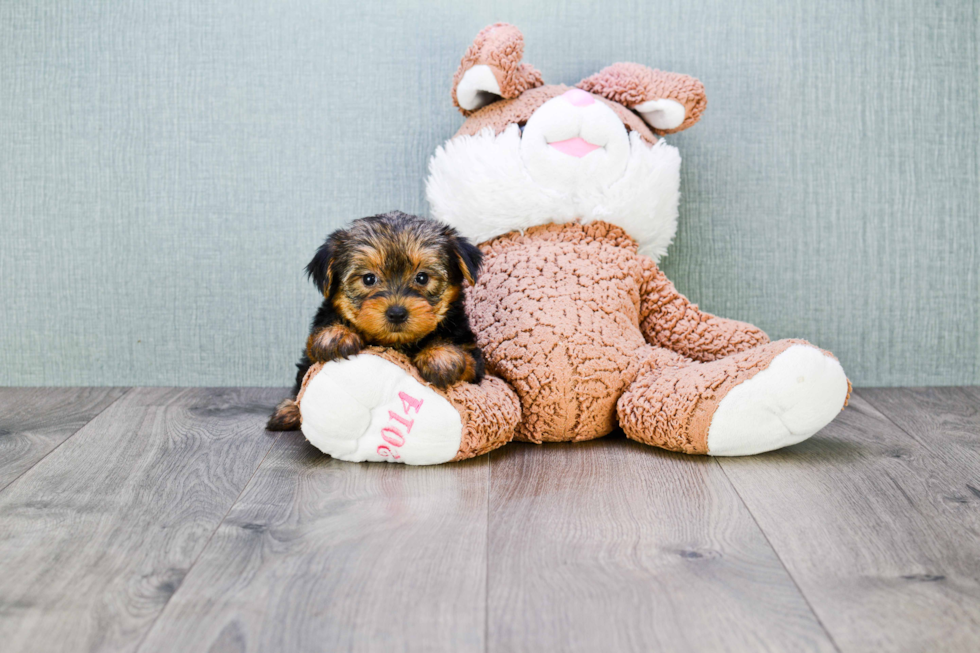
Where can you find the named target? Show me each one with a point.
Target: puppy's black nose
(396, 314)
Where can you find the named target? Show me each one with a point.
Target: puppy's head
(394, 276)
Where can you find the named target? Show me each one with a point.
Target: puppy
(394, 280)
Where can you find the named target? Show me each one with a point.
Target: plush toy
(573, 197)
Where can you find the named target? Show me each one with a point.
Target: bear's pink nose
(578, 97)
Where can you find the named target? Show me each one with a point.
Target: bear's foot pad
(799, 393)
(368, 409)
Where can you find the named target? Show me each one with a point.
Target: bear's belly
(558, 321)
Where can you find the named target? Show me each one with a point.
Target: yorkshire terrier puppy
(394, 280)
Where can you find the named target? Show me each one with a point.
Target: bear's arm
(669, 320)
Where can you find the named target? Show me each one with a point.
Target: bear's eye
(421, 278)
(369, 279)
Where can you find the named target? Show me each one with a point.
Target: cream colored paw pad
(800, 392)
(368, 409)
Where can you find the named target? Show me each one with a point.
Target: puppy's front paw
(442, 365)
(333, 342)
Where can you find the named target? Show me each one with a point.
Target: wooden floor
(163, 519)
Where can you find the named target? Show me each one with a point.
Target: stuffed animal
(573, 196)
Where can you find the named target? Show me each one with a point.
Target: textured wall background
(168, 167)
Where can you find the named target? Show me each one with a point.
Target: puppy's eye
(369, 279)
(421, 278)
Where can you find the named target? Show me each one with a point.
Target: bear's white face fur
(574, 162)
(573, 143)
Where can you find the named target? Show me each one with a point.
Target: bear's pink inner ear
(491, 69)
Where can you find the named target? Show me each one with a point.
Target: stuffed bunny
(573, 198)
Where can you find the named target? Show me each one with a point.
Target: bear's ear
(668, 102)
(491, 69)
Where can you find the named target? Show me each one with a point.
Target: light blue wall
(168, 167)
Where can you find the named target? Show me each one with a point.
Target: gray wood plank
(95, 538)
(861, 515)
(613, 546)
(33, 421)
(324, 555)
(946, 421)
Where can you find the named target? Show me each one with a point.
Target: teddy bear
(573, 196)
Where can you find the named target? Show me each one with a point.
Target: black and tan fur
(394, 280)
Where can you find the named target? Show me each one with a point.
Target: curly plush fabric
(631, 84)
(573, 318)
(669, 320)
(671, 402)
(488, 411)
(500, 47)
(555, 311)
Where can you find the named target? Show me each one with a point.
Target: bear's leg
(767, 397)
(376, 407)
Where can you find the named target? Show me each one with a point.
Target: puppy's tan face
(395, 287)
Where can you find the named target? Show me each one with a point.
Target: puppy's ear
(468, 257)
(320, 269)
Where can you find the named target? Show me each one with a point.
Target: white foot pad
(800, 392)
(366, 408)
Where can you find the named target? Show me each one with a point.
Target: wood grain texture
(33, 421)
(946, 421)
(324, 555)
(872, 526)
(98, 535)
(613, 546)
